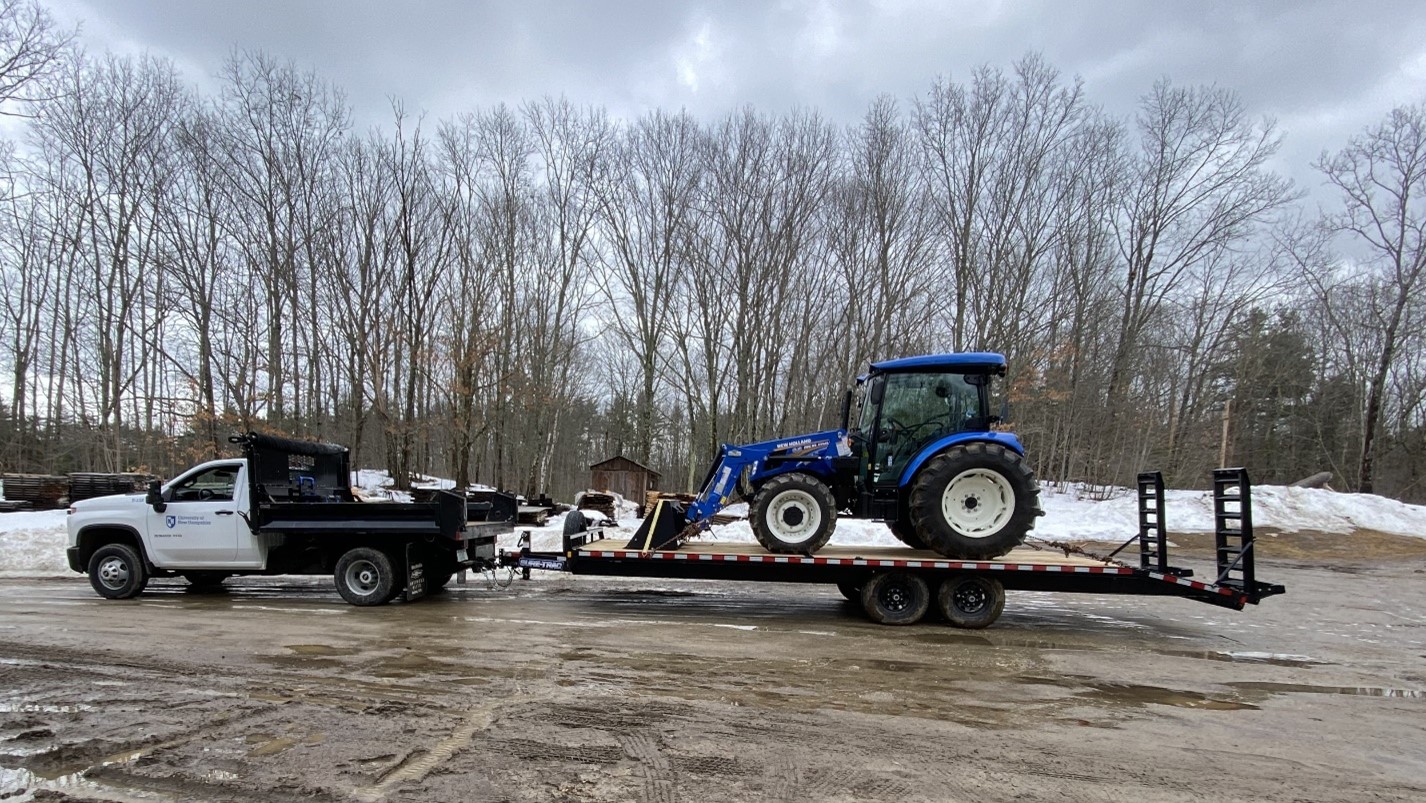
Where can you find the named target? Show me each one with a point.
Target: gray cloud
(1323, 69)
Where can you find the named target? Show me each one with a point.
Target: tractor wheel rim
(793, 517)
(363, 577)
(114, 573)
(978, 503)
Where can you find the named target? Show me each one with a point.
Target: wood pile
(42, 491)
(652, 498)
(604, 503)
(87, 485)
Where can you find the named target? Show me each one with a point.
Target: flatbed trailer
(898, 585)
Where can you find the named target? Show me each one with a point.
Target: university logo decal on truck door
(170, 521)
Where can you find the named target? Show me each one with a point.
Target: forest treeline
(513, 293)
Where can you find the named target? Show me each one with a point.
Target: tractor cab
(909, 407)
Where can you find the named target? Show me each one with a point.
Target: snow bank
(32, 543)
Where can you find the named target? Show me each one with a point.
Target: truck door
(200, 524)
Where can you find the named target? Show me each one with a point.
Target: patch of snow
(32, 544)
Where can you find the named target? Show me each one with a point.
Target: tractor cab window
(917, 409)
(215, 484)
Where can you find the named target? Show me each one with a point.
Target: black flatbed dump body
(1025, 569)
(302, 487)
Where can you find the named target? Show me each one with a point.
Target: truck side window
(215, 484)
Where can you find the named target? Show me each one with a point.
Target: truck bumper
(72, 554)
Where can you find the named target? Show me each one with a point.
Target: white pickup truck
(284, 507)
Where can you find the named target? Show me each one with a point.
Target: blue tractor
(921, 456)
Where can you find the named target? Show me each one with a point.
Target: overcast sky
(1324, 70)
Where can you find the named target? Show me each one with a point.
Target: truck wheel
(366, 576)
(117, 572)
(969, 601)
(976, 501)
(851, 589)
(896, 598)
(793, 513)
(205, 579)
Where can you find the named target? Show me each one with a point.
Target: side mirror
(877, 391)
(155, 497)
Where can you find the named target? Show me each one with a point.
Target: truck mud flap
(415, 575)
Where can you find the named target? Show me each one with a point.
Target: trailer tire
(970, 601)
(116, 571)
(793, 513)
(896, 598)
(207, 580)
(366, 576)
(850, 589)
(976, 501)
(575, 523)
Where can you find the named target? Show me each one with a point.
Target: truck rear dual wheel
(366, 576)
(793, 513)
(975, 502)
(116, 571)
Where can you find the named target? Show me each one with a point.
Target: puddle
(319, 650)
(272, 747)
(1248, 657)
(1139, 695)
(1305, 688)
(652, 592)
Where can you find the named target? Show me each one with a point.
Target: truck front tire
(366, 576)
(975, 502)
(793, 513)
(117, 572)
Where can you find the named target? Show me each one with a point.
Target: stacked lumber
(652, 498)
(89, 484)
(602, 502)
(43, 491)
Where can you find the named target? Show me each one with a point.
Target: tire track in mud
(422, 762)
(660, 785)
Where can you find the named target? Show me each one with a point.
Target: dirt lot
(581, 689)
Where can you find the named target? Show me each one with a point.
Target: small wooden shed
(625, 477)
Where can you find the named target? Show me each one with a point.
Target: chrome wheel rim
(114, 573)
(363, 577)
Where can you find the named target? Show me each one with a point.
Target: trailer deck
(902, 580)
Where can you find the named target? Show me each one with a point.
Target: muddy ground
(609, 690)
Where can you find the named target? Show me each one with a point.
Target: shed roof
(617, 458)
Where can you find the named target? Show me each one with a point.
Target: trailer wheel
(206, 579)
(896, 598)
(970, 601)
(117, 572)
(793, 513)
(850, 589)
(976, 501)
(366, 576)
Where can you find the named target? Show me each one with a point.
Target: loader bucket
(661, 528)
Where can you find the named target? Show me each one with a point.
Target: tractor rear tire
(896, 598)
(905, 532)
(793, 513)
(971, 601)
(975, 502)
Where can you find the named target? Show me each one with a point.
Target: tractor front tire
(793, 513)
(975, 502)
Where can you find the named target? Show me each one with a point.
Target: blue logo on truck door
(170, 521)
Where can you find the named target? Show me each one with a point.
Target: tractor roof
(970, 362)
